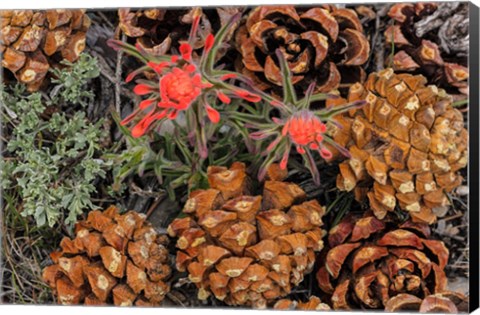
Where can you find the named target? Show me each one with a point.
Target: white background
(73, 310)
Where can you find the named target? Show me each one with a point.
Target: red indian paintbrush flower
(178, 88)
(183, 82)
(297, 126)
(303, 130)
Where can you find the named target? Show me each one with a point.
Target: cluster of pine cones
(253, 250)
(325, 44)
(31, 42)
(246, 246)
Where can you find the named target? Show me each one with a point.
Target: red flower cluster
(305, 130)
(178, 89)
(180, 85)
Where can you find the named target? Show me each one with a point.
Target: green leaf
(129, 49)
(289, 94)
(66, 200)
(219, 38)
(40, 216)
(328, 113)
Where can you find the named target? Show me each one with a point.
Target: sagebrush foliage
(50, 160)
(70, 85)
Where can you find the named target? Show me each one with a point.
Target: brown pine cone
(431, 39)
(158, 30)
(313, 304)
(407, 145)
(114, 259)
(369, 261)
(324, 45)
(247, 250)
(445, 302)
(32, 41)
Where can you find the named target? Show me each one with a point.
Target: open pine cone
(158, 30)
(32, 41)
(247, 250)
(324, 45)
(431, 39)
(313, 304)
(114, 259)
(445, 302)
(406, 144)
(369, 261)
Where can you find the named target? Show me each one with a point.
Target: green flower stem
(247, 118)
(208, 66)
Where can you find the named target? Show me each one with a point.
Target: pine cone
(158, 30)
(406, 144)
(370, 261)
(247, 250)
(322, 45)
(313, 304)
(445, 302)
(32, 41)
(432, 40)
(114, 259)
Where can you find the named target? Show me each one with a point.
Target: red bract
(224, 98)
(209, 43)
(246, 95)
(158, 67)
(142, 89)
(213, 115)
(140, 128)
(186, 51)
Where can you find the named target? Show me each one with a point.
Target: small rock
(441, 225)
(462, 190)
(458, 284)
(440, 211)
(452, 230)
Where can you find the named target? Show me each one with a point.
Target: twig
(154, 206)
(375, 42)
(102, 200)
(175, 299)
(465, 266)
(458, 238)
(105, 19)
(107, 72)
(460, 201)
(118, 77)
(453, 217)
(333, 204)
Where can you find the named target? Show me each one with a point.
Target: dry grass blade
(25, 252)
